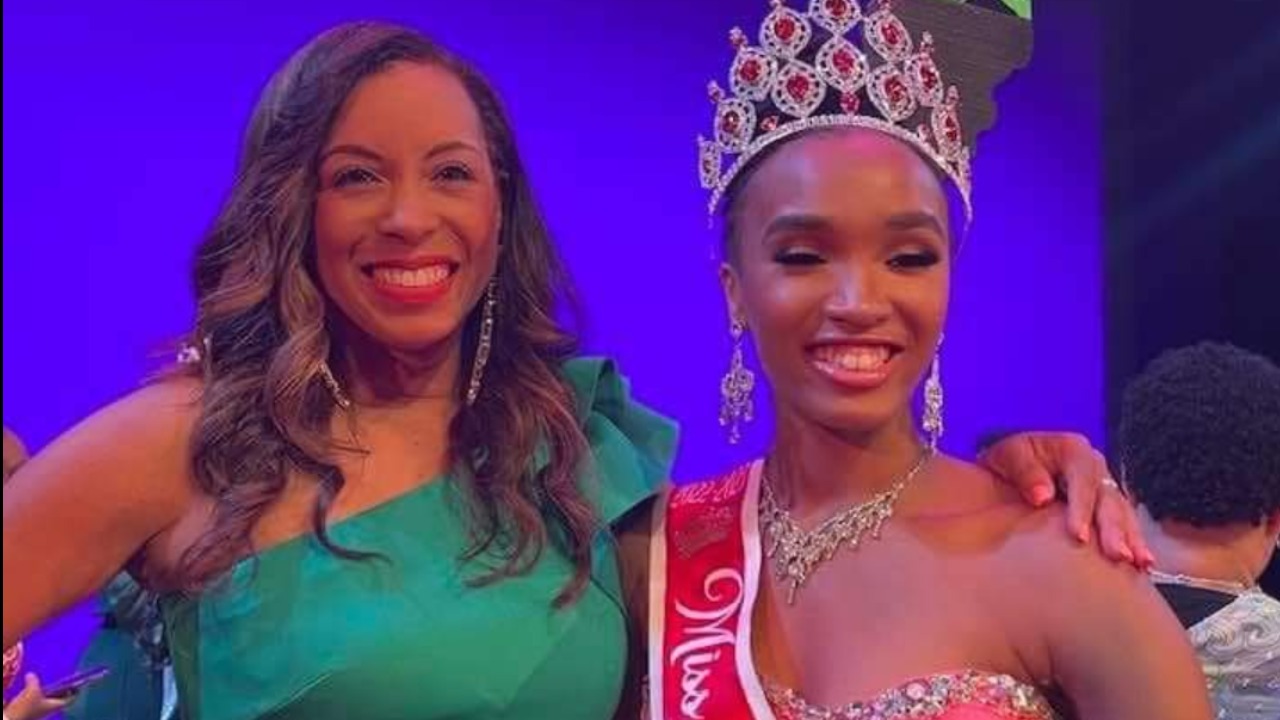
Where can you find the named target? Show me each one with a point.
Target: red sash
(704, 572)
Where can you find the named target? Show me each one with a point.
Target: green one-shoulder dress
(299, 633)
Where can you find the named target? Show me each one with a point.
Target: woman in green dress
(381, 485)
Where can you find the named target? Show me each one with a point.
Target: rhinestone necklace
(797, 553)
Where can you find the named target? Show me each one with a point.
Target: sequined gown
(966, 695)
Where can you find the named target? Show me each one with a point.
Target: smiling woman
(806, 584)
(791, 217)
(376, 471)
(382, 169)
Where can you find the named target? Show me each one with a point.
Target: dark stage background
(1192, 146)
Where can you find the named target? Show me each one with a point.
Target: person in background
(131, 643)
(30, 703)
(1199, 447)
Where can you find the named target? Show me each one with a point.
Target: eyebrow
(797, 222)
(810, 223)
(368, 154)
(915, 220)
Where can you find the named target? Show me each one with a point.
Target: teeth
(420, 277)
(858, 359)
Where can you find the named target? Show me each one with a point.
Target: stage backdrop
(122, 122)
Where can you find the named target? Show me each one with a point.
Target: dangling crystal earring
(736, 405)
(486, 341)
(335, 389)
(933, 401)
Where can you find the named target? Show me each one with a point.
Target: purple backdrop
(122, 121)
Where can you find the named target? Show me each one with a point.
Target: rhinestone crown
(869, 72)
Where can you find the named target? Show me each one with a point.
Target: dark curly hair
(265, 411)
(1199, 436)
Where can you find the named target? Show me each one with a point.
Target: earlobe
(729, 284)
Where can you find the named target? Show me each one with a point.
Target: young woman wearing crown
(856, 572)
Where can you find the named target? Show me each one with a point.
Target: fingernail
(1083, 535)
(1148, 559)
(1041, 495)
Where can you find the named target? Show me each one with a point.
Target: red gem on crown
(951, 128)
(928, 71)
(896, 89)
(798, 86)
(785, 28)
(929, 76)
(836, 16)
(946, 126)
(922, 74)
(887, 35)
(844, 61)
(890, 33)
(731, 122)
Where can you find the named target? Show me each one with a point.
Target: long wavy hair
(265, 411)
